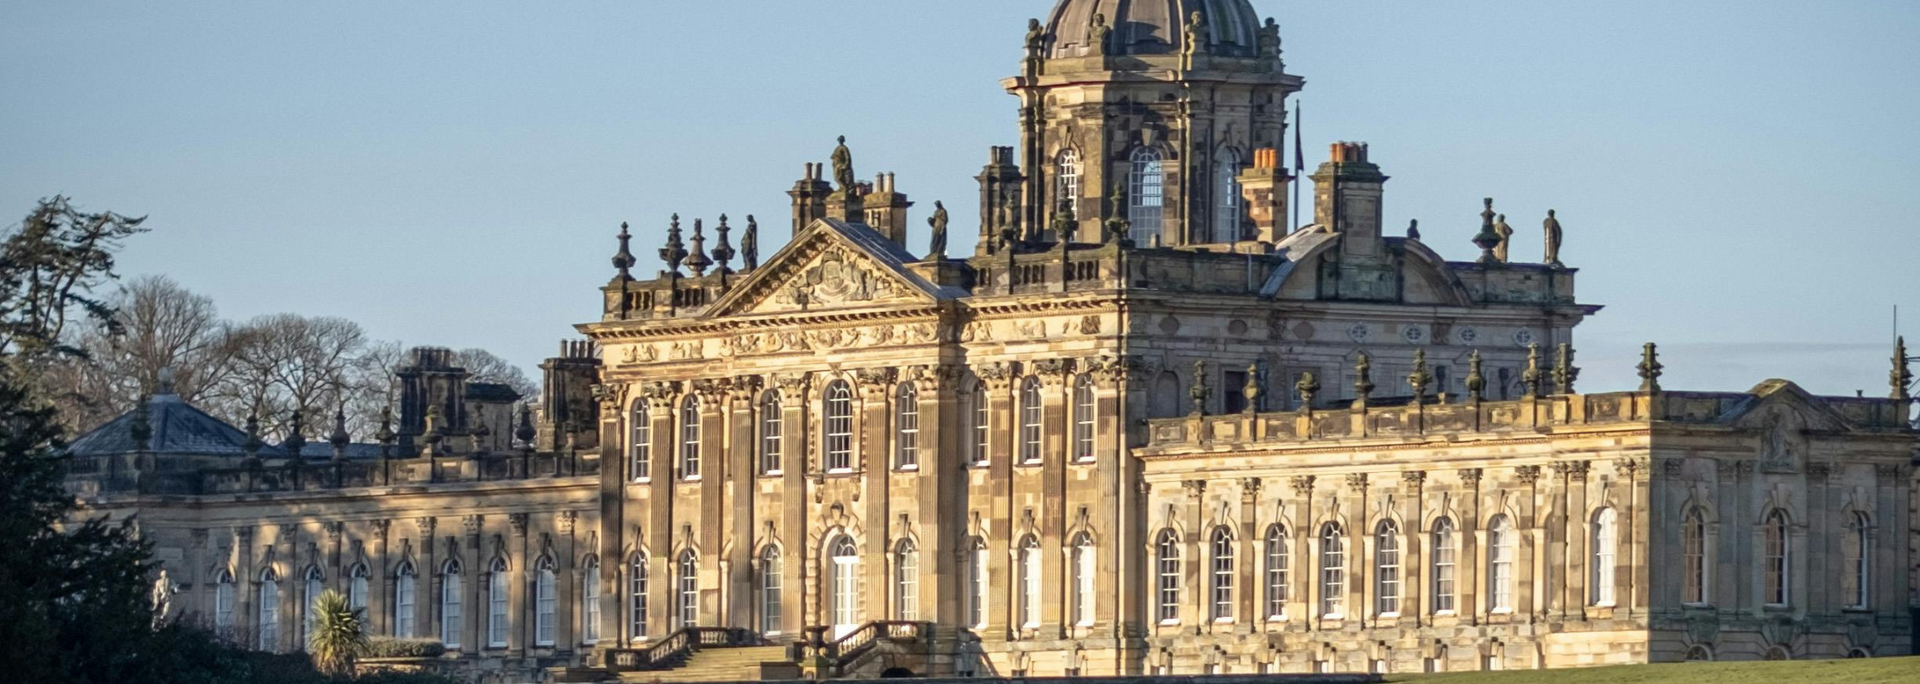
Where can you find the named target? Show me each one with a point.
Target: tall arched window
(1067, 175)
(590, 600)
(357, 586)
(770, 583)
(977, 584)
(844, 573)
(906, 427)
(1029, 582)
(839, 434)
(771, 429)
(498, 584)
(404, 581)
(1146, 199)
(1386, 568)
(544, 610)
(1778, 554)
(981, 418)
(267, 626)
(688, 576)
(690, 438)
(1085, 569)
(1030, 417)
(1859, 557)
(637, 596)
(640, 442)
(1277, 557)
(1606, 547)
(1223, 573)
(1083, 415)
(906, 581)
(1226, 218)
(1167, 552)
(1502, 548)
(1693, 549)
(223, 600)
(310, 603)
(1446, 550)
(1333, 571)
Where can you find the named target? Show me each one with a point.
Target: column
(519, 588)
(1056, 430)
(379, 582)
(426, 585)
(1471, 606)
(1413, 548)
(656, 542)
(711, 525)
(245, 580)
(566, 568)
(1248, 604)
(942, 484)
(999, 509)
(873, 460)
(740, 472)
(473, 605)
(1303, 604)
(1194, 616)
(795, 556)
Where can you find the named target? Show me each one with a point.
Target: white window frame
(906, 425)
(1333, 571)
(690, 438)
(1085, 570)
(405, 599)
(1502, 558)
(1146, 197)
(1221, 607)
(640, 443)
(771, 565)
(1446, 558)
(1168, 572)
(545, 612)
(906, 581)
(1386, 569)
(1606, 552)
(772, 430)
(499, 586)
(267, 621)
(590, 600)
(838, 435)
(1085, 412)
(1030, 565)
(637, 598)
(687, 590)
(1032, 423)
(1278, 556)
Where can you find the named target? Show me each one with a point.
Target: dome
(1153, 27)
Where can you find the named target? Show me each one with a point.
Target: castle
(1149, 426)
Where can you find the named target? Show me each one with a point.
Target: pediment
(1779, 403)
(831, 265)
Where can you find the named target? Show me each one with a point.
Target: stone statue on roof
(1101, 34)
(1036, 38)
(937, 247)
(843, 166)
(750, 244)
(1270, 39)
(1502, 250)
(1553, 240)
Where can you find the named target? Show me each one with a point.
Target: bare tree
(287, 363)
(484, 366)
(158, 327)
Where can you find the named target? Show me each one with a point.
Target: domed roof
(1153, 27)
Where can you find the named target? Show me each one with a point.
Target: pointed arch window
(640, 442)
(1083, 417)
(690, 438)
(498, 584)
(1226, 219)
(357, 577)
(1085, 569)
(1502, 548)
(839, 433)
(1223, 574)
(771, 430)
(404, 600)
(906, 581)
(1067, 177)
(1778, 554)
(1146, 198)
(1605, 549)
(1446, 549)
(315, 584)
(637, 596)
(1277, 558)
(1693, 550)
(223, 601)
(544, 610)
(1030, 422)
(1333, 571)
(267, 626)
(982, 418)
(590, 600)
(906, 427)
(1386, 568)
(1167, 555)
(1859, 557)
(1030, 577)
(689, 589)
(770, 582)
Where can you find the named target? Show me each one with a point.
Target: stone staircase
(740, 664)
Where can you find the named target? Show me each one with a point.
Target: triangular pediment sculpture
(832, 265)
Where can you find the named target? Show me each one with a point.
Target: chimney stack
(1264, 189)
(887, 210)
(810, 197)
(1347, 192)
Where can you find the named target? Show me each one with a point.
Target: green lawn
(1860, 671)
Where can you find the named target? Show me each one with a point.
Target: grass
(1858, 671)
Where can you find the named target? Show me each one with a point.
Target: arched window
(1146, 199)
(1067, 176)
(771, 429)
(689, 594)
(1226, 219)
(1030, 416)
(982, 419)
(1030, 582)
(1386, 568)
(267, 626)
(906, 427)
(640, 442)
(1502, 548)
(1083, 415)
(223, 600)
(404, 580)
(590, 600)
(310, 605)
(1693, 549)
(839, 433)
(1605, 547)
(770, 579)
(1165, 400)
(1085, 569)
(357, 586)
(1277, 557)
(1333, 571)
(977, 584)
(637, 596)
(906, 581)
(1859, 557)
(690, 438)
(844, 557)
(1167, 550)
(498, 584)
(544, 610)
(1446, 551)
(1223, 573)
(1778, 555)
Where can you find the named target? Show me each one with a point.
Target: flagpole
(1299, 167)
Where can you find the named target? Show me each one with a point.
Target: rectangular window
(403, 602)
(771, 429)
(1233, 386)
(497, 610)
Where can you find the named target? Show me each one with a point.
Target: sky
(1736, 177)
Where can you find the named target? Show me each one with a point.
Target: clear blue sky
(1738, 178)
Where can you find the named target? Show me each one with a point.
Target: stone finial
(697, 261)
(1064, 222)
(253, 444)
(1650, 368)
(1476, 378)
(386, 436)
(1532, 375)
(142, 430)
(1363, 379)
(1504, 250)
(525, 432)
(1009, 222)
(436, 431)
(1564, 372)
(1270, 40)
(623, 259)
(1119, 227)
(675, 252)
(1307, 387)
(1487, 239)
(339, 439)
(1413, 230)
(722, 252)
(295, 442)
(750, 245)
(1256, 388)
(1421, 378)
(166, 378)
(477, 436)
(1196, 35)
(1902, 376)
(1201, 392)
(1554, 236)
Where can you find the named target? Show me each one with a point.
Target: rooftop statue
(937, 246)
(843, 167)
(1101, 34)
(1504, 249)
(1553, 240)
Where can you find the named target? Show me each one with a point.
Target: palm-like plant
(339, 634)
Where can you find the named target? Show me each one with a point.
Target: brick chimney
(1263, 187)
(809, 198)
(1347, 192)
(887, 210)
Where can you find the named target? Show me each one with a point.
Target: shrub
(386, 647)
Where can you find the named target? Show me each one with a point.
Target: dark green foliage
(388, 647)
